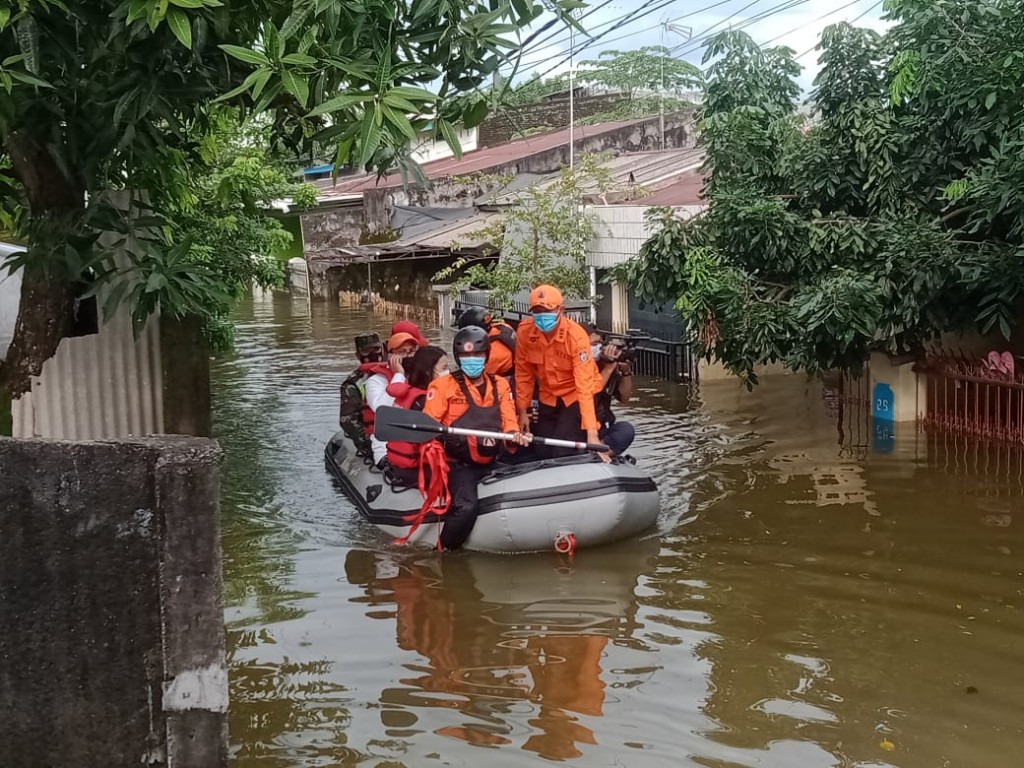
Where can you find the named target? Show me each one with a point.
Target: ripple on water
(804, 601)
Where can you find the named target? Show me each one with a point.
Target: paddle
(417, 427)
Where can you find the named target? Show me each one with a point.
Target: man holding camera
(616, 381)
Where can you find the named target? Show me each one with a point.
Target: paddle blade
(408, 426)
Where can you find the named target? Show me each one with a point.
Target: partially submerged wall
(112, 649)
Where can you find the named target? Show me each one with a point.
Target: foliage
(99, 95)
(893, 217)
(650, 68)
(536, 89)
(542, 236)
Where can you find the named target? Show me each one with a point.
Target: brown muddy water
(806, 599)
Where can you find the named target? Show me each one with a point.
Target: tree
(893, 217)
(535, 89)
(542, 236)
(650, 68)
(99, 95)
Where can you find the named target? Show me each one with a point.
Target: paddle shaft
(459, 431)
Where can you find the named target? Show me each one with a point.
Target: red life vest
(402, 454)
(372, 369)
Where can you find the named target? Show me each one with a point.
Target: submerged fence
(668, 359)
(982, 398)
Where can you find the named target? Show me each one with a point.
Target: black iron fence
(668, 359)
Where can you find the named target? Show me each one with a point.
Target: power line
(851, 22)
(697, 12)
(815, 21)
(633, 16)
(527, 43)
(695, 43)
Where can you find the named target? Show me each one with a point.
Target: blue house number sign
(884, 408)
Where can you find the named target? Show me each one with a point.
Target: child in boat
(426, 364)
(473, 399)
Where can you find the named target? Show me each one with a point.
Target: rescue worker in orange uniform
(470, 398)
(503, 340)
(554, 354)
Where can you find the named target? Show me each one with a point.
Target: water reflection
(515, 646)
(808, 599)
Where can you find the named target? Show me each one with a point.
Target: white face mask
(595, 350)
(442, 374)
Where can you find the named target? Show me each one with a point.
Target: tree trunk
(46, 312)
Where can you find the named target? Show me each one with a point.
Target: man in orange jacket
(471, 399)
(553, 353)
(501, 361)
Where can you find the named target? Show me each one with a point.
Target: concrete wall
(331, 227)
(112, 649)
(504, 125)
(401, 281)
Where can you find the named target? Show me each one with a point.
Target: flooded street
(806, 600)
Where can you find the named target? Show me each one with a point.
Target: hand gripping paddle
(417, 427)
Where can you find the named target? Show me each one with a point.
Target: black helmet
(471, 339)
(478, 316)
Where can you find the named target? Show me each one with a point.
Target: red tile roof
(477, 160)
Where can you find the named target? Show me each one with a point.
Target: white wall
(10, 298)
(620, 230)
(429, 150)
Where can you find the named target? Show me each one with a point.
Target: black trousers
(559, 421)
(460, 518)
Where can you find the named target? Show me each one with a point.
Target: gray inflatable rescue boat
(552, 504)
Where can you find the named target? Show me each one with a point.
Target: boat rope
(565, 543)
(433, 484)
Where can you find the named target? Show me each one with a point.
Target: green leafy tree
(542, 236)
(535, 89)
(650, 68)
(101, 95)
(894, 216)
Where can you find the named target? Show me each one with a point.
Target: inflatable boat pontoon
(530, 507)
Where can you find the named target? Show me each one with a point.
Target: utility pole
(686, 33)
(572, 94)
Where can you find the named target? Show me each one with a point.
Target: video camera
(630, 344)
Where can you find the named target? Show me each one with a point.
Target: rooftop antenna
(686, 33)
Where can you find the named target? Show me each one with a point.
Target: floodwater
(810, 598)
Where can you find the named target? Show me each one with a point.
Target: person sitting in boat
(401, 345)
(408, 326)
(369, 348)
(503, 340)
(428, 363)
(470, 398)
(617, 382)
(554, 353)
(353, 411)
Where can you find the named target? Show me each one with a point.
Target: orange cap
(546, 296)
(399, 339)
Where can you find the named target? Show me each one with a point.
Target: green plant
(102, 95)
(893, 217)
(650, 68)
(542, 236)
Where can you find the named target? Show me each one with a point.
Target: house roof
(650, 171)
(685, 190)
(419, 240)
(475, 161)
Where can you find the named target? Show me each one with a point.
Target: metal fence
(982, 398)
(668, 359)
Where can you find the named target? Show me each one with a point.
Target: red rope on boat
(433, 484)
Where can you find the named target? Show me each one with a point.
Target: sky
(795, 23)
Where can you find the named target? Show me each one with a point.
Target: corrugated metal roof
(652, 171)
(478, 160)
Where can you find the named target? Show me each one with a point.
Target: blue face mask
(545, 320)
(472, 366)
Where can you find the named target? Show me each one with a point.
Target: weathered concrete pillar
(902, 393)
(185, 364)
(112, 641)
